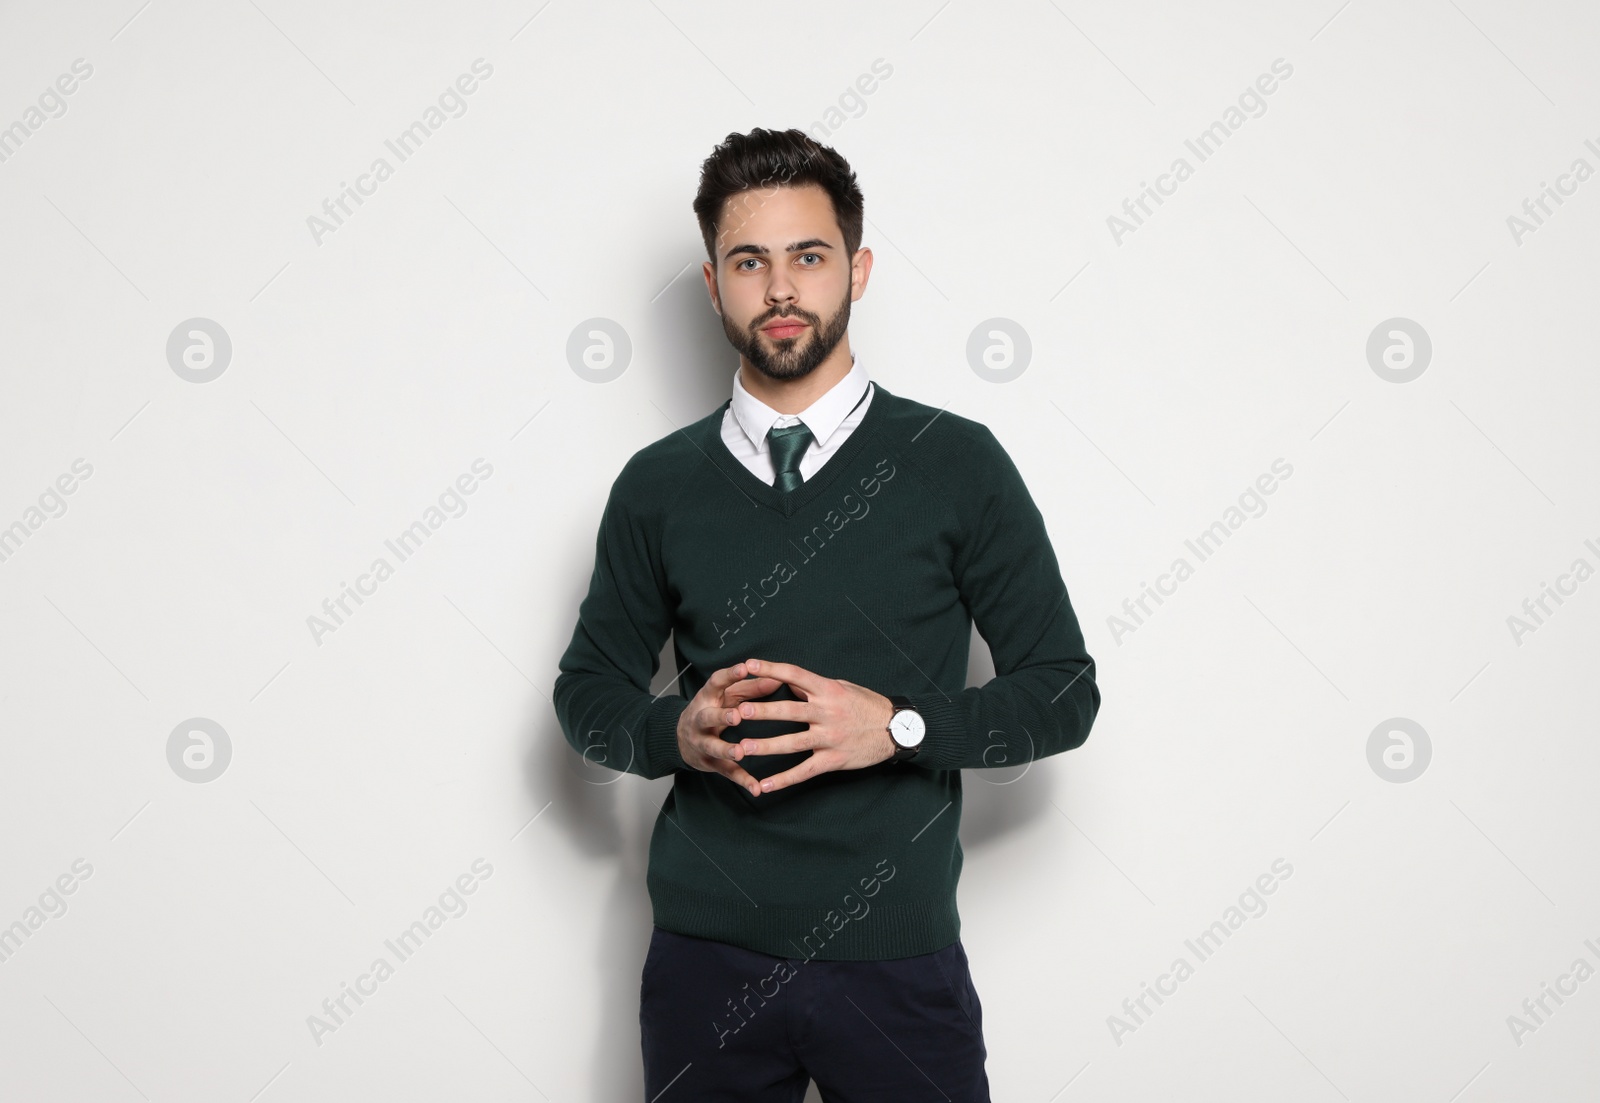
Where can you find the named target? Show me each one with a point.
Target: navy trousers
(722, 1024)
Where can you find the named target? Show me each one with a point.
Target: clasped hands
(848, 724)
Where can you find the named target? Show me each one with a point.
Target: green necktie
(788, 444)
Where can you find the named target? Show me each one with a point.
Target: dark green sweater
(873, 571)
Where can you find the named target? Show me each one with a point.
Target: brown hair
(769, 159)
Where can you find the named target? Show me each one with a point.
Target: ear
(860, 270)
(710, 274)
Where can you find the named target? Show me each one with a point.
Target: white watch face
(907, 727)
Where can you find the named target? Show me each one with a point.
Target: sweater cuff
(945, 742)
(661, 755)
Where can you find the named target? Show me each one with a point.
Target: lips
(784, 328)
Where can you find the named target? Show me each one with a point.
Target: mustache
(797, 314)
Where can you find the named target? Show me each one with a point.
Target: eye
(818, 257)
(740, 267)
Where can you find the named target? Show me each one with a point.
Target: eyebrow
(761, 250)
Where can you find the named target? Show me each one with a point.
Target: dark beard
(789, 361)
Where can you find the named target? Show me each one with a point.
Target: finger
(711, 719)
(740, 777)
(812, 766)
(722, 679)
(781, 744)
(716, 749)
(749, 687)
(803, 711)
(797, 676)
(723, 758)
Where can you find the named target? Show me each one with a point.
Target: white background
(369, 369)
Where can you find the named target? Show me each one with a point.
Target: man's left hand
(848, 724)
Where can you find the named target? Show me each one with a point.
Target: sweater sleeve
(1043, 698)
(602, 694)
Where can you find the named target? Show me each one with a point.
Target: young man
(819, 549)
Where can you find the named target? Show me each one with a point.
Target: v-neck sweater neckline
(791, 502)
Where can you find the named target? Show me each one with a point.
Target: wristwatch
(906, 727)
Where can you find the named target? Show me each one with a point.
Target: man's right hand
(714, 708)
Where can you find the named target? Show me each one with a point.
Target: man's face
(782, 281)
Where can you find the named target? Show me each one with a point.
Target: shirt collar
(822, 417)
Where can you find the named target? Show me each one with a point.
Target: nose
(780, 289)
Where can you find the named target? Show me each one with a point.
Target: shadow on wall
(996, 802)
(686, 365)
(606, 816)
(686, 369)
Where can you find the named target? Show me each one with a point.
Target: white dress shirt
(831, 419)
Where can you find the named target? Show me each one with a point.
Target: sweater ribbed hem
(859, 929)
(945, 738)
(661, 736)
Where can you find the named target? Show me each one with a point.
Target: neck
(790, 396)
